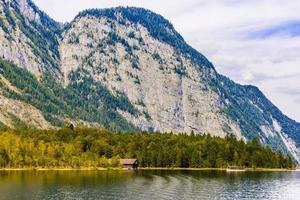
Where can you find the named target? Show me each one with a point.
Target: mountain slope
(106, 52)
(59, 104)
(28, 37)
(257, 116)
(127, 69)
(186, 95)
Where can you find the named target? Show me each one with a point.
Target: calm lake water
(92, 185)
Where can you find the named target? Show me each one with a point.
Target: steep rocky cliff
(170, 91)
(28, 37)
(127, 69)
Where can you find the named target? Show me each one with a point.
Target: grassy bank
(141, 168)
(59, 169)
(213, 169)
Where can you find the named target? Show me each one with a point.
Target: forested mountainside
(124, 69)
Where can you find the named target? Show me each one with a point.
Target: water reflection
(148, 185)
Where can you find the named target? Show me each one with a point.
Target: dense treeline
(82, 147)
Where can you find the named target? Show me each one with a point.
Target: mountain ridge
(128, 69)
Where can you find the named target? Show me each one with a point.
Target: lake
(90, 185)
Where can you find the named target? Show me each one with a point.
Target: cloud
(289, 90)
(297, 101)
(285, 29)
(251, 41)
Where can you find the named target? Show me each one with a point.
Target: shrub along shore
(94, 149)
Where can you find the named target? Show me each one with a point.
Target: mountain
(124, 69)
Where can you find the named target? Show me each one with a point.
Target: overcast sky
(251, 41)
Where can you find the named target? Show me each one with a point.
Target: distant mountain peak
(159, 27)
(29, 10)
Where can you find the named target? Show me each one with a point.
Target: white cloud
(219, 29)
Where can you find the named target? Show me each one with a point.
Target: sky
(253, 42)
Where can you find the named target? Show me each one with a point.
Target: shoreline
(143, 169)
(214, 169)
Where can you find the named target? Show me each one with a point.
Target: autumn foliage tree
(82, 147)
